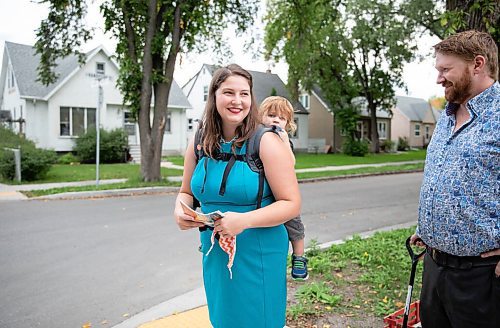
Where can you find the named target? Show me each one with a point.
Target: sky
(20, 18)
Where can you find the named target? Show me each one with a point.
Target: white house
(53, 116)
(264, 85)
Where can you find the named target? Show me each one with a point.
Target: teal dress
(255, 296)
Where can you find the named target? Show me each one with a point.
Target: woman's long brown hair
(212, 122)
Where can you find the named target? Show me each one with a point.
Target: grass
(362, 277)
(312, 160)
(131, 183)
(84, 172)
(318, 160)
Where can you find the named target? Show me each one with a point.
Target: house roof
(414, 109)
(263, 85)
(363, 112)
(25, 63)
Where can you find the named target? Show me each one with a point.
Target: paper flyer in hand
(206, 218)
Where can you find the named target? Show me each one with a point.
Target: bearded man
(459, 211)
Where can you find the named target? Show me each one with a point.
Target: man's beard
(459, 91)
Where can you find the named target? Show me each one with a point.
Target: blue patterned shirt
(459, 210)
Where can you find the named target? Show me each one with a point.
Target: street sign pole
(100, 99)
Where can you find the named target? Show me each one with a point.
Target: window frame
(379, 124)
(70, 122)
(98, 71)
(416, 132)
(205, 92)
(305, 98)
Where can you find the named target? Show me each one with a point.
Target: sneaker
(299, 268)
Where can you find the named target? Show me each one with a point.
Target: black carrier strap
(251, 157)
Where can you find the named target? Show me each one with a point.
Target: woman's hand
(185, 221)
(230, 225)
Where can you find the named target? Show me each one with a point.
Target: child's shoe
(299, 268)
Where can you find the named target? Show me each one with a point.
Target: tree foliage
(349, 48)
(150, 36)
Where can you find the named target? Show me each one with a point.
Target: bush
(387, 145)
(113, 146)
(403, 144)
(35, 163)
(354, 147)
(67, 158)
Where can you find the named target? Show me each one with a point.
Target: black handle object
(414, 262)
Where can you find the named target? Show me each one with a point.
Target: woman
(253, 294)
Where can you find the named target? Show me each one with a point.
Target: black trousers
(459, 298)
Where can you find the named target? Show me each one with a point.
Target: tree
(150, 35)
(348, 48)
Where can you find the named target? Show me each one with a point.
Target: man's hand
(415, 240)
(493, 253)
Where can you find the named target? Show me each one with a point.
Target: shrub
(403, 144)
(35, 163)
(387, 145)
(354, 147)
(113, 146)
(67, 158)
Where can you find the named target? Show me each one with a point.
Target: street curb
(196, 298)
(167, 190)
(109, 193)
(361, 175)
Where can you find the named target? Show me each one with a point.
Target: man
(459, 212)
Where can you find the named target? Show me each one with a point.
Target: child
(278, 111)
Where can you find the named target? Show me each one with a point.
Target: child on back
(278, 111)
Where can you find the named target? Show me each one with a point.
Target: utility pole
(100, 98)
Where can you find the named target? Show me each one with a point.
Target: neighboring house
(264, 85)
(54, 116)
(323, 128)
(413, 119)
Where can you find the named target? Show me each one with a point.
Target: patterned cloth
(459, 210)
(228, 245)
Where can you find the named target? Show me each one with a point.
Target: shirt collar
(451, 108)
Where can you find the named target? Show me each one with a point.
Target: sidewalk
(190, 310)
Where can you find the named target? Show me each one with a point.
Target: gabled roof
(25, 63)
(363, 112)
(414, 109)
(263, 85)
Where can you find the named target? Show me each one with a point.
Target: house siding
(321, 122)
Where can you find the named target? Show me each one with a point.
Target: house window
(205, 93)
(417, 130)
(382, 130)
(304, 100)
(129, 123)
(168, 124)
(296, 133)
(75, 121)
(190, 124)
(10, 81)
(427, 132)
(99, 69)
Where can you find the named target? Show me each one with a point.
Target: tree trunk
(375, 147)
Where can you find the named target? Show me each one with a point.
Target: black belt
(460, 262)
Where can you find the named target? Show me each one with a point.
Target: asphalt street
(64, 263)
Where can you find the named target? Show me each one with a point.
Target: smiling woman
(247, 288)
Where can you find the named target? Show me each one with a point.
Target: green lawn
(317, 160)
(312, 160)
(83, 172)
(360, 279)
